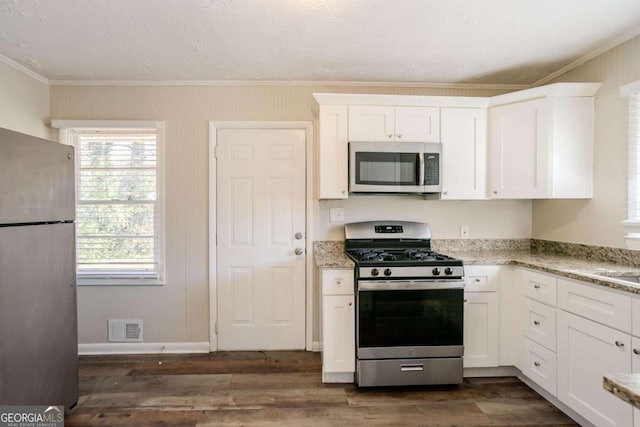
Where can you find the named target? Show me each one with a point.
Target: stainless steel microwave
(395, 167)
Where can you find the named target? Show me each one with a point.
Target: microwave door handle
(421, 169)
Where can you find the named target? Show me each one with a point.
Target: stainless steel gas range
(409, 306)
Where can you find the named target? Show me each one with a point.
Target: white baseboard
(500, 371)
(316, 346)
(143, 348)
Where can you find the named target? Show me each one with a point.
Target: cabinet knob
(477, 280)
(466, 300)
(619, 344)
(636, 351)
(535, 322)
(339, 282)
(350, 303)
(536, 364)
(495, 192)
(536, 286)
(399, 135)
(445, 192)
(390, 135)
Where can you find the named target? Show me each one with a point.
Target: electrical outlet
(336, 214)
(464, 231)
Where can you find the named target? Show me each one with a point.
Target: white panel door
(261, 210)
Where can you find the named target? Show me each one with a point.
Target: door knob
(299, 251)
(298, 236)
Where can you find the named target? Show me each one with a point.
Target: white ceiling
(417, 41)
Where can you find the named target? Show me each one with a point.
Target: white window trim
(631, 225)
(64, 126)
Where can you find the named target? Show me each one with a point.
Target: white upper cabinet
(387, 123)
(333, 152)
(464, 153)
(541, 142)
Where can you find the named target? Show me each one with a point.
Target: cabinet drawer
(481, 278)
(337, 282)
(539, 365)
(602, 306)
(539, 323)
(540, 287)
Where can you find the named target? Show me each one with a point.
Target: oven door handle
(402, 285)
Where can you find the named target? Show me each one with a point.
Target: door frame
(307, 126)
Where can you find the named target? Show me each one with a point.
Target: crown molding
(616, 41)
(10, 62)
(287, 83)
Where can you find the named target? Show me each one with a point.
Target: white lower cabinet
(480, 329)
(635, 368)
(338, 325)
(586, 352)
(481, 316)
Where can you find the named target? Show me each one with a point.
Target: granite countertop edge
(330, 254)
(624, 386)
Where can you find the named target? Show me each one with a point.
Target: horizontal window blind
(118, 206)
(634, 156)
(632, 224)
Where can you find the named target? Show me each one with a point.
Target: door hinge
(215, 327)
(215, 152)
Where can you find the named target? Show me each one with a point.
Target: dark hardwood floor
(285, 389)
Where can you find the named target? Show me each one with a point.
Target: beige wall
(24, 102)
(597, 221)
(179, 312)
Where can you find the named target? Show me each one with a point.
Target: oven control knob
(436, 271)
(387, 272)
(448, 271)
(374, 272)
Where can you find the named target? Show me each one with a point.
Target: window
(632, 224)
(119, 209)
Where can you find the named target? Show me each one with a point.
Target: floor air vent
(125, 330)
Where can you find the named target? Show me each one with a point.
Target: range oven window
(410, 318)
(382, 168)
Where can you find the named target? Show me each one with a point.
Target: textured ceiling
(440, 41)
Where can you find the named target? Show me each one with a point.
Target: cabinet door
(333, 151)
(417, 124)
(519, 137)
(480, 329)
(587, 351)
(338, 329)
(635, 368)
(464, 153)
(371, 123)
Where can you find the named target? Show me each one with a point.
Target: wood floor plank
(285, 389)
(423, 415)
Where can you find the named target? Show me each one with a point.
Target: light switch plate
(337, 214)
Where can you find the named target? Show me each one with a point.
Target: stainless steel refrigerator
(38, 316)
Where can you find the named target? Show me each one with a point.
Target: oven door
(410, 319)
(386, 167)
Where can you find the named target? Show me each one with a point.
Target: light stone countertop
(330, 254)
(624, 386)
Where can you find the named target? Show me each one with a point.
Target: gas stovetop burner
(397, 249)
(419, 255)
